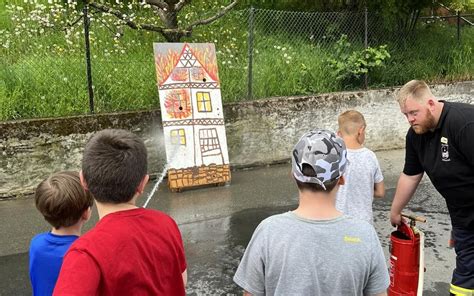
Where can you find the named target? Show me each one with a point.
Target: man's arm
(185, 277)
(379, 189)
(381, 294)
(405, 189)
(247, 293)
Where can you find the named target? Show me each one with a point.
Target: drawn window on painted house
(178, 104)
(209, 142)
(179, 74)
(204, 101)
(198, 74)
(178, 137)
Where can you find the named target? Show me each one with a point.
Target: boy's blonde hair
(416, 90)
(61, 199)
(350, 122)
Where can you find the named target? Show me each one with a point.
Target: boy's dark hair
(61, 199)
(113, 165)
(309, 172)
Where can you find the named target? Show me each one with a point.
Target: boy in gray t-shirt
(363, 176)
(315, 249)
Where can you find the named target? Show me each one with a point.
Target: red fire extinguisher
(406, 259)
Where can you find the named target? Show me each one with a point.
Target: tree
(461, 5)
(167, 11)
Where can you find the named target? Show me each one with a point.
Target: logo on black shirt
(444, 149)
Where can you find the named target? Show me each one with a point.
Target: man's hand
(395, 218)
(406, 187)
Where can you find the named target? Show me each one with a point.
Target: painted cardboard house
(192, 114)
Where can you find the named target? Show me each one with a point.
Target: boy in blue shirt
(66, 206)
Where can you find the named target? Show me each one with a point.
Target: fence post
(366, 45)
(88, 58)
(459, 26)
(250, 55)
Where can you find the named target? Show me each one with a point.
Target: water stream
(158, 181)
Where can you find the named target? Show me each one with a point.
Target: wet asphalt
(217, 223)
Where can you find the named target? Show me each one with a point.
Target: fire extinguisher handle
(407, 230)
(415, 218)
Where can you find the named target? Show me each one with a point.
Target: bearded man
(440, 142)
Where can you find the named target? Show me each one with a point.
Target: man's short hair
(416, 90)
(113, 165)
(319, 159)
(350, 122)
(61, 199)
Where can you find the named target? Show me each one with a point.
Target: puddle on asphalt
(214, 249)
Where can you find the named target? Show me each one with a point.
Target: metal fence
(317, 35)
(316, 32)
(261, 53)
(114, 81)
(291, 40)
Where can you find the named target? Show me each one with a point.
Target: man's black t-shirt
(447, 156)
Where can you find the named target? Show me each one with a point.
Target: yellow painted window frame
(178, 136)
(204, 101)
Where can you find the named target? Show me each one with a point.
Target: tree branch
(163, 8)
(178, 6)
(127, 20)
(211, 19)
(80, 18)
(159, 4)
(159, 12)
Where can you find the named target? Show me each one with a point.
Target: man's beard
(426, 125)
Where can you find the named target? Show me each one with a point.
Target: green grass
(285, 67)
(435, 57)
(28, 93)
(41, 75)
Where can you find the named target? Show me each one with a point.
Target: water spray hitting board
(192, 114)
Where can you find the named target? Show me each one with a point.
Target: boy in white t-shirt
(364, 179)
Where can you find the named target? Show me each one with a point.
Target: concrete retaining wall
(258, 132)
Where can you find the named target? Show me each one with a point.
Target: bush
(348, 64)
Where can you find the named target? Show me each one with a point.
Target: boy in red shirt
(131, 250)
